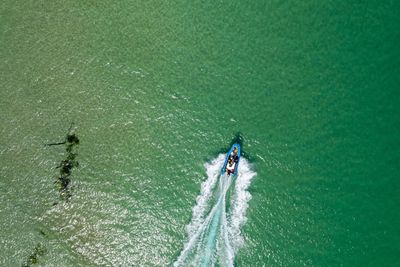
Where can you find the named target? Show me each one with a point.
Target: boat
(231, 162)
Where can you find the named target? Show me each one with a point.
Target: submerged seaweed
(39, 250)
(63, 180)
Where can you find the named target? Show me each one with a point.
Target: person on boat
(230, 169)
(230, 160)
(234, 151)
(234, 155)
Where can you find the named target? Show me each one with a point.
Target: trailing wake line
(214, 232)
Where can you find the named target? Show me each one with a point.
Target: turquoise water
(158, 90)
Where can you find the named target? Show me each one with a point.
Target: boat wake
(214, 231)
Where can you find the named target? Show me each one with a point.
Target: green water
(158, 89)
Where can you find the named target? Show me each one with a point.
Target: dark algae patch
(63, 180)
(63, 184)
(38, 251)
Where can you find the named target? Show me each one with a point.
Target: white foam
(215, 236)
(213, 171)
(240, 200)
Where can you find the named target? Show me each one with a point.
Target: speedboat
(231, 162)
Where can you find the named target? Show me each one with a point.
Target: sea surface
(156, 91)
